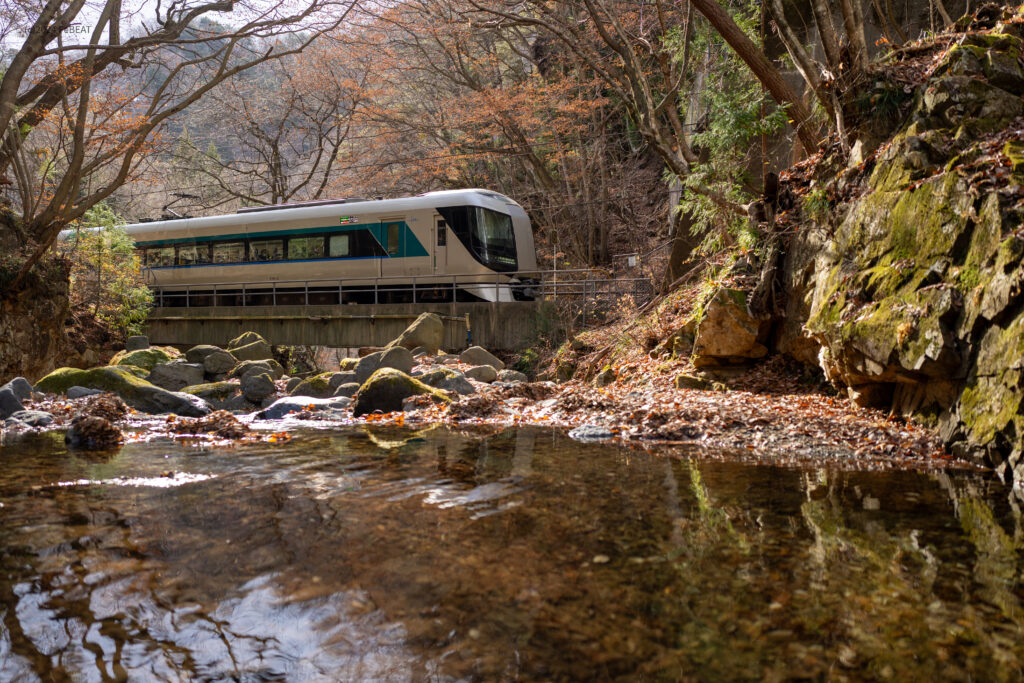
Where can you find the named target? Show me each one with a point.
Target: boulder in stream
(387, 388)
(426, 331)
(136, 392)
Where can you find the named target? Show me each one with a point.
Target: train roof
(329, 209)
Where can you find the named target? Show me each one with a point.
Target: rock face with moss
(911, 295)
(387, 388)
(135, 391)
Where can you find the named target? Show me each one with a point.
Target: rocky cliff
(904, 275)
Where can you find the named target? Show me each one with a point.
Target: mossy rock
(387, 388)
(135, 391)
(146, 358)
(348, 364)
(245, 339)
(269, 365)
(317, 386)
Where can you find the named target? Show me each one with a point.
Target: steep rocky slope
(907, 292)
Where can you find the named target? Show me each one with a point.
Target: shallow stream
(388, 554)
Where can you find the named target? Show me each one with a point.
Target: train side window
(315, 246)
(393, 231)
(340, 246)
(442, 232)
(193, 254)
(266, 250)
(160, 257)
(298, 248)
(229, 252)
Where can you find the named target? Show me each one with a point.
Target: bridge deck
(498, 326)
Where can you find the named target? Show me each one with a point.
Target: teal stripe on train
(408, 244)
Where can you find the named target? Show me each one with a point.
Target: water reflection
(392, 554)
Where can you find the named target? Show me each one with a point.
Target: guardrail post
(307, 291)
(188, 291)
(273, 293)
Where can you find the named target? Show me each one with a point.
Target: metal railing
(556, 285)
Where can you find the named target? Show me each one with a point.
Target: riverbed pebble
(82, 392)
(590, 433)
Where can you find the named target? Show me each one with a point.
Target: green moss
(114, 378)
(146, 358)
(348, 364)
(59, 381)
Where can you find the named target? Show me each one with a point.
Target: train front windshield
(487, 234)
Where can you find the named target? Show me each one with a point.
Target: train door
(440, 246)
(389, 234)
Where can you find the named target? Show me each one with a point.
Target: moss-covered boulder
(245, 339)
(135, 391)
(317, 386)
(347, 364)
(387, 388)
(146, 359)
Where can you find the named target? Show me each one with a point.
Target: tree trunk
(763, 69)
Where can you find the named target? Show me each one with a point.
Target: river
(374, 553)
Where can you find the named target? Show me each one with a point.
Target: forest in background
(620, 125)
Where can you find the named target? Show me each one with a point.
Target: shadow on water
(395, 554)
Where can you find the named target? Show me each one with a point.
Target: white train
(465, 245)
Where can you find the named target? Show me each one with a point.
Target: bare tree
(75, 120)
(289, 123)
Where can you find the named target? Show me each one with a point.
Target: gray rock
(21, 388)
(136, 343)
(448, 380)
(267, 365)
(292, 383)
(426, 331)
(218, 362)
(258, 350)
(295, 404)
(257, 386)
(590, 433)
(482, 373)
(82, 392)
(244, 339)
(420, 352)
(340, 378)
(348, 390)
(33, 418)
(511, 376)
(367, 365)
(399, 358)
(176, 376)
(198, 354)
(9, 403)
(477, 355)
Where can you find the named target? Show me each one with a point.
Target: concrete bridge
(498, 326)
